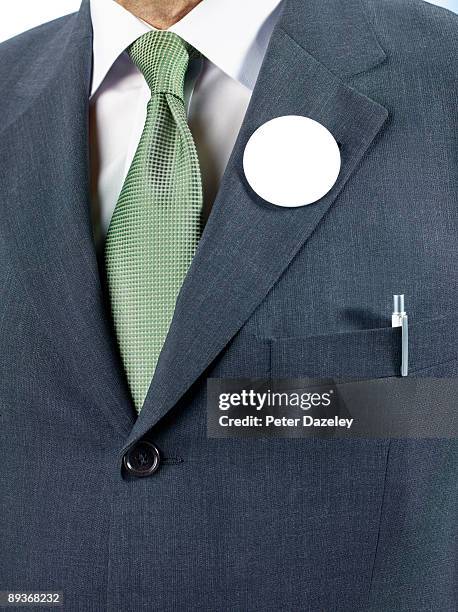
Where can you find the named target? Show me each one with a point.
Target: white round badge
(291, 161)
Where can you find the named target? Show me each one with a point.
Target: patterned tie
(156, 224)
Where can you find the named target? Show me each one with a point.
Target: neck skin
(161, 14)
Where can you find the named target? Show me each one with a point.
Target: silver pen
(400, 319)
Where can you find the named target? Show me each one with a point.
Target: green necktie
(156, 224)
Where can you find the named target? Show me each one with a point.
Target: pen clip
(405, 346)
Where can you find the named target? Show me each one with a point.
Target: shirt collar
(232, 34)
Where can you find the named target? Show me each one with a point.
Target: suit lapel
(48, 227)
(248, 243)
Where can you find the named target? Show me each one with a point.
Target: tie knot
(162, 57)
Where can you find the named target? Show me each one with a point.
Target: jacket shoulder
(25, 58)
(414, 28)
(27, 45)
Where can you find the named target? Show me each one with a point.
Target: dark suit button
(142, 459)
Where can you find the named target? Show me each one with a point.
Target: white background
(19, 15)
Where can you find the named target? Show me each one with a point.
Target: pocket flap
(372, 353)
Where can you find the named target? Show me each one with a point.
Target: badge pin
(292, 161)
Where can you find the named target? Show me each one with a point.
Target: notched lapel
(248, 243)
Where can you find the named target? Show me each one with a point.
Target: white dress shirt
(231, 35)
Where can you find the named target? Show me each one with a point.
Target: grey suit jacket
(243, 525)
